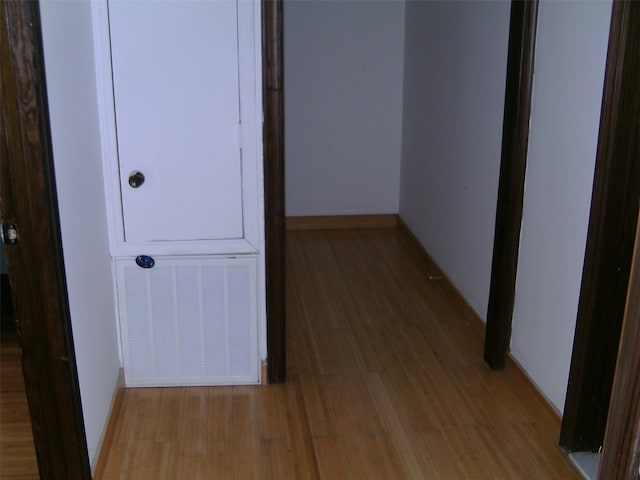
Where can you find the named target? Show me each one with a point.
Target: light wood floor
(17, 453)
(386, 381)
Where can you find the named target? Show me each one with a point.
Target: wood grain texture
(18, 455)
(273, 140)
(513, 162)
(385, 381)
(334, 222)
(28, 198)
(621, 455)
(611, 233)
(621, 452)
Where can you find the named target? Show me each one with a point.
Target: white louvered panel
(189, 324)
(214, 331)
(189, 321)
(237, 278)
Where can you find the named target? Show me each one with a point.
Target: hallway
(386, 381)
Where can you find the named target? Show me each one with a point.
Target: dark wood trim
(515, 141)
(28, 198)
(610, 240)
(621, 454)
(273, 73)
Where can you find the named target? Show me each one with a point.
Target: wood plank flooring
(17, 452)
(385, 381)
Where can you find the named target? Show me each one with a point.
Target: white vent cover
(189, 321)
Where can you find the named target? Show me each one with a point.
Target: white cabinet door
(176, 96)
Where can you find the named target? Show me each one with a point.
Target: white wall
(455, 69)
(568, 81)
(69, 65)
(343, 106)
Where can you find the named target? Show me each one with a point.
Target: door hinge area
(10, 235)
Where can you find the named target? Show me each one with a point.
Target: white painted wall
(343, 64)
(70, 74)
(455, 69)
(568, 81)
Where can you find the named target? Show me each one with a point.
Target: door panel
(175, 78)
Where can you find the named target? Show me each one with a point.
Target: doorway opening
(19, 456)
(327, 138)
(275, 63)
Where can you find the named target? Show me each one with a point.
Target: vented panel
(189, 321)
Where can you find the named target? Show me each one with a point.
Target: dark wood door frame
(36, 270)
(273, 138)
(621, 454)
(513, 162)
(610, 239)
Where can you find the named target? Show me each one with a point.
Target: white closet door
(175, 78)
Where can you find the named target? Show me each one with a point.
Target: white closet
(179, 85)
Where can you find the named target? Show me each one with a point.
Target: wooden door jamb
(36, 269)
(273, 138)
(515, 141)
(610, 239)
(621, 454)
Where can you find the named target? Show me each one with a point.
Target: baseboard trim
(472, 318)
(107, 439)
(515, 366)
(436, 273)
(339, 222)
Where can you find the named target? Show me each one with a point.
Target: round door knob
(136, 179)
